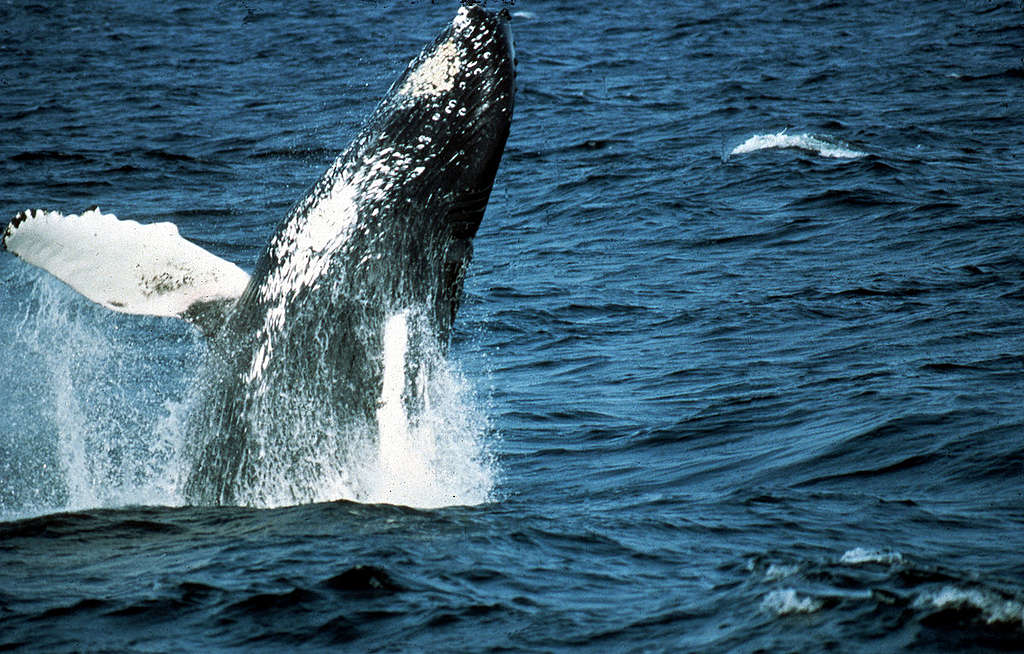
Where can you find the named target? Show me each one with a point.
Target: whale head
(448, 115)
(461, 90)
(401, 205)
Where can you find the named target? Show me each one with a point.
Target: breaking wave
(821, 146)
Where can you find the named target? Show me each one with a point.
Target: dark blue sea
(739, 365)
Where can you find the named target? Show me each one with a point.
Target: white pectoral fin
(127, 266)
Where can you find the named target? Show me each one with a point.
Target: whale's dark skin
(388, 227)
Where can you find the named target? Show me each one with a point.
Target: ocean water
(738, 368)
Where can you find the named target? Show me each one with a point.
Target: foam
(860, 555)
(779, 571)
(807, 142)
(786, 601)
(994, 608)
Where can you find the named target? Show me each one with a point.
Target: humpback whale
(296, 367)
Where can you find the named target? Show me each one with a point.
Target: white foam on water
(860, 555)
(780, 571)
(993, 607)
(786, 601)
(807, 142)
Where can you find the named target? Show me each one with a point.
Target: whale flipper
(127, 266)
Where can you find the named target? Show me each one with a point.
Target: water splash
(430, 447)
(861, 555)
(426, 447)
(100, 403)
(786, 601)
(91, 415)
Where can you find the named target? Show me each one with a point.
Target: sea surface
(739, 367)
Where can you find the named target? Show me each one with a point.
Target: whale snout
(450, 111)
(481, 26)
(472, 64)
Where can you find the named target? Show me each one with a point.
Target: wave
(818, 145)
(931, 604)
(786, 601)
(974, 603)
(860, 555)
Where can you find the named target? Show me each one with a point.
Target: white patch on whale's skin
(392, 422)
(305, 247)
(437, 74)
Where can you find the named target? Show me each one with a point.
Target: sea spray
(430, 448)
(426, 447)
(109, 430)
(100, 431)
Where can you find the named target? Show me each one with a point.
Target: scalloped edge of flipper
(127, 266)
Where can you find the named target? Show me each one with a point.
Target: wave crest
(818, 145)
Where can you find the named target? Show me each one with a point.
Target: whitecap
(779, 571)
(994, 607)
(807, 142)
(861, 555)
(786, 601)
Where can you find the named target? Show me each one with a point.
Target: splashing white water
(102, 404)
(786, 601)
(860, 555)
(994, 607)
(434, 458)
(807, 142)
(95, 425)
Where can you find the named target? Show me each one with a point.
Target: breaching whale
(296, 364)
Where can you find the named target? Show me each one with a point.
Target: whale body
(296, 365)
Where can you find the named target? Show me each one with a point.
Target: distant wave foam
(860, 555)
(994, 608)
(807, 142)
(786, 601)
